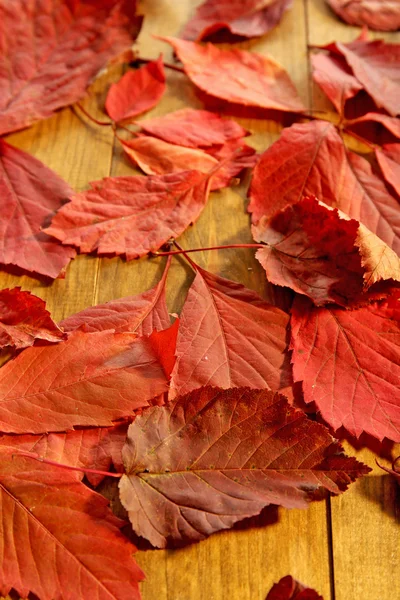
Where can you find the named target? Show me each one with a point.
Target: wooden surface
(346, 548)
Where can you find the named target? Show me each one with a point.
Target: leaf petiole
(172, 252)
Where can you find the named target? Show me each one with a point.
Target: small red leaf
(335, 79)
(379, 128)
(389, 161)
(211, 458)
(24, 319)
(136, 92)
(383, 15)
(290, 589)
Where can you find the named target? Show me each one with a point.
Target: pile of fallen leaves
(199, 419)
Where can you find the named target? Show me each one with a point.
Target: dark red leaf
(49, 64)
(30, 193)
(238, 76)
(335, 79)
(24, 319)
(348, 361)
(244, 18)
(377, 127)
(290, 589)
(132, 216)
(383, 15)
(389, 161)
(211, 458)
(136, 92)
(61, 536)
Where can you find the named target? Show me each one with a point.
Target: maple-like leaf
(193, 128)
(383, 15)
(288, 588)
(140, 314)
(229, 337)
(60, 539)
(243, 18)
(49, 64)
(335, 79)
(92, 379)
(311, 159)
(211, 458)
(30, 193)
(238, 76)
(348, 361)
(320, 252)
(132, 216)
(24, 319)
(389, 161)
(136, 92)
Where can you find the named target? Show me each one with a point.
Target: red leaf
(348, 362)
(132, 216)
(229, 337)
(319, 252)
(211, 458)
(49, 64)
(335, 79)
(238, 76)
(61, 536)
(311, 159)
(244, 18)
(193, 128)
(136, 92)
(389, 161)
(377, 127)
(140, 314)
(383, 15)
(290, 589)
(30, 193)
(92, 379)
(24, 319)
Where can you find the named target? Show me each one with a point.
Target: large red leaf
(193, 128)
(222, 73)
(140, 314)
(311, 159)
(50, 63)
(383, 15)
(30, 193)
(91, 379)
(288, 588)
(60, 539)
(136, 92)
(132, 215)
(244, 18)
(335, 79)
(213, 457)
(320, 252)
(229, 337)
(24, 319)
(348, 361)
(389, 161)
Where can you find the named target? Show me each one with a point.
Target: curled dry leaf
(92, 379)
(238, 76)
(24, 319)
(382, 15)
(348, 361)
(30, 194)
(211, 458)
(68, 537)
(389, 161)
(288, 588)
(49, 65)
(136, 92)
(132, 216)
(229, 337)
(243, 18)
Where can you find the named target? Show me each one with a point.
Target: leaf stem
(89, 116)
(173, 252)
(145, 61)
(62, 466)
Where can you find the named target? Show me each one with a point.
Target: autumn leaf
(229, 337)
(193, 128)
(311, 159)
(136, 92)
(389, 161)
(24, 319)
(335, 78)
(383, 15)
(237, 76)
(288, 588)
(141, 314)
(92, 379)
(30, 193)
(50, 64)
(348, 363)
(377, 127)
(243, 18)
(211, 458)
(60, 534)
(132, 216)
